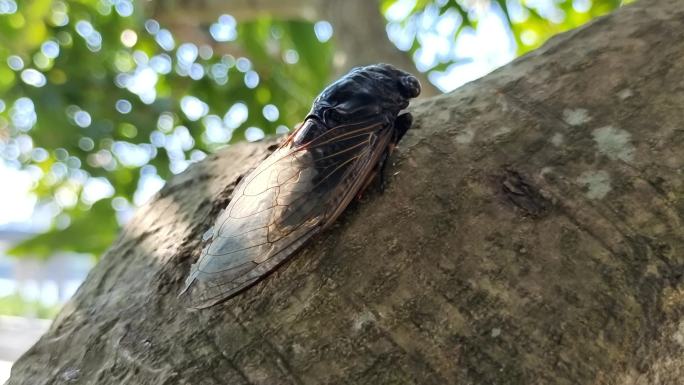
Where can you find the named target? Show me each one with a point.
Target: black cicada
(306, 183)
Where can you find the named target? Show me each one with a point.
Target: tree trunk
(531, 233)
(359, 27)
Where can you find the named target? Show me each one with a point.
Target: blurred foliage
(531, 22)
(122, 101)
(16, 305)
(97, 100)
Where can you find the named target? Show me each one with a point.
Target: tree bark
(531, 233)
(359, 27)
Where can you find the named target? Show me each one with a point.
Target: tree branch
(531, 233)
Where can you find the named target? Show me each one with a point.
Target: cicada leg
(401, 125)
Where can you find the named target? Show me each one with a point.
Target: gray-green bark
(531, 233)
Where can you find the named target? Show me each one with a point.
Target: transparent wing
(289, 197)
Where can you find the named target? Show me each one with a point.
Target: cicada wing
(278, 206)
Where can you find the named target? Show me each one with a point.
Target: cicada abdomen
(306, 183)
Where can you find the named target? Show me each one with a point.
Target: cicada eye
(410, 86)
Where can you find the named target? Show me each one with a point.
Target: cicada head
(365, 92)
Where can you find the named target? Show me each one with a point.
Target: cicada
(304, 185)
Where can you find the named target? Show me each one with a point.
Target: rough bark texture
(359, 28)
(531, 233)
